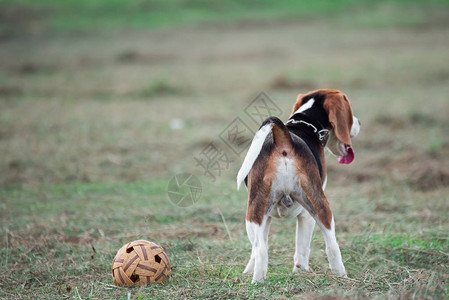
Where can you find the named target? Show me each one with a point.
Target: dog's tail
(281, 138)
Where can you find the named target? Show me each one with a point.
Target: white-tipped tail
(253, 152)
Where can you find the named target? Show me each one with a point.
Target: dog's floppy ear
(297, 103)
(339, 112)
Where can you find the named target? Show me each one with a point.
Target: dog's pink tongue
(348, 158)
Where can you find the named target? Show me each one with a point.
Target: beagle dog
(285, 174)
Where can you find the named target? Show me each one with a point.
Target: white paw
(249, 268)
(300, 268)
(340, 272)
(258, 279)
(259, 276)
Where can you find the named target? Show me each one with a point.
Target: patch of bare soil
(28, 68)
(131, 56)
(430, 176)
(331, 297)
(423, 172)
(10, 91)
(397, 122)
(283, 83)
(345, 177)
(20, 19)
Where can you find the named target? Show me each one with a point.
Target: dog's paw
(249, 268)
(300, 268)
(340, 272)
(258, 280)
(259, 275)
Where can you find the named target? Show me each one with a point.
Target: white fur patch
(304, 231)
(253, 153)
(325, 183)
(332, 249)
(305, 106)
(355, 127)
(285, 183)
(258, 236)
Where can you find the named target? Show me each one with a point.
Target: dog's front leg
(304, 230)
(258, 236)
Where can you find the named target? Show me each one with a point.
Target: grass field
(103, 102)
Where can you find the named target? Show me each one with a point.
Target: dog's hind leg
(304, 230)
(258, 236)
(313, 199)
(250, 230)
(258, 263)
(332, 249)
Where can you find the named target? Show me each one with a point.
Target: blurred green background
(97, 15)
(103, 102)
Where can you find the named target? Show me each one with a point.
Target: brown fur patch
(339, 111)
(298, 102)
(316, 202)
(282, 138)
(260, 179)
(261, 176)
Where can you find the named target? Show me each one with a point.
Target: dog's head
(340, 121)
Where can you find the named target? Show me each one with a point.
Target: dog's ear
(339, 112)
(297, 103)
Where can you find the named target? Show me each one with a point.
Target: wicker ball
(139, 263)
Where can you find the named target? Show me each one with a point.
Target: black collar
(318, 129)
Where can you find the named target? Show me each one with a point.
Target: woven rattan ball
(139, 263)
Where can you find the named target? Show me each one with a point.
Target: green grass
(84, 16)
(69, 248)
(159, 88)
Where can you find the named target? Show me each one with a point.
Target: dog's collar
(322, 134)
